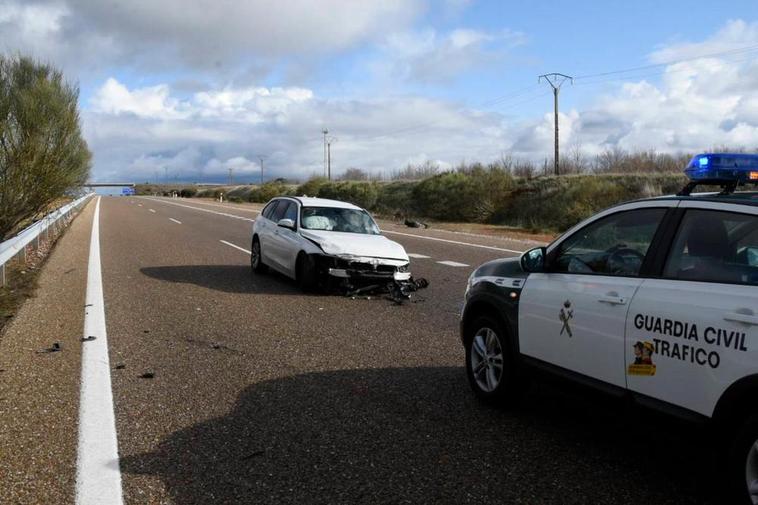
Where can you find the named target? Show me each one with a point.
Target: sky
(180, 91)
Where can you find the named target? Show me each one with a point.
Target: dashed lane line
(152, 210)
(174, 220)
(436, 239)
(98, 477)
(235, 246)
(207, 210)
(452, 263)
(419, 256)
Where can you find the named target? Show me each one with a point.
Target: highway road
(228, 388)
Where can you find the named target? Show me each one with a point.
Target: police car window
(270, 209)
(280, 211)
(613, 245)
(715, 246)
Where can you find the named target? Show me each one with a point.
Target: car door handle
(612, 300)
(741, 316)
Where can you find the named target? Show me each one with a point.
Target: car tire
(742, 463)
(256, 260)
(306, 272)
(490, 364)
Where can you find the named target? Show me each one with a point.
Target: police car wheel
(256, 261)
(488, 361)
(744, 463)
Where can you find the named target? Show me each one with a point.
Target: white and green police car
(655, 299)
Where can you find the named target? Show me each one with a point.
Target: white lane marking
(139, 205)
(207, 210)
(152, 210)
(174, 220)
(230, 207)
(98, 476)
(454, 242)
(416, 255)
(452, 263)
(235, 246)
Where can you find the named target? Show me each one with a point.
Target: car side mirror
(286, 223)
(533, 260)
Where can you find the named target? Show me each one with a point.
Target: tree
(354, 174)
(42, 152)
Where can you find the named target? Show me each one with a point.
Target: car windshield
(337, 219)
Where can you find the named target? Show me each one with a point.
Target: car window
(613, 245)
(338, 219)
(291, 212)
(715, 246)
(269, 209)
(280, 210)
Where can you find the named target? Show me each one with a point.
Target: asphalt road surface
(263, 394)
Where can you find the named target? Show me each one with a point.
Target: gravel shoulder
(39, 391)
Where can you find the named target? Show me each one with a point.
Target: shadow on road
(416, 435)
(226, 278)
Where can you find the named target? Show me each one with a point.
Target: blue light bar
(720, 168)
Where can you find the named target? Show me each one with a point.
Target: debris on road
(415, 224)
(89, 338)
(397, 291)
(147, 375)
(56, 347)
(119, 366)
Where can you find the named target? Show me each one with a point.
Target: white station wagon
(320, 242)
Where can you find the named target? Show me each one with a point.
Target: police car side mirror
(533, 260)
(286, 223)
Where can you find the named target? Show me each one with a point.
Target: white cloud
(429, 56)
(87, 36)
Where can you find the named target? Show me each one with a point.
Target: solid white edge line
(452, 263)
(454, 242)
(235, 246)
(174, 220)
(98, 475)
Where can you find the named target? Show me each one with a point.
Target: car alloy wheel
(486, 359)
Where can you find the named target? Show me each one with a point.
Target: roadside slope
(39, 391)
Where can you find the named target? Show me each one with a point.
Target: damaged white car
(329, 244)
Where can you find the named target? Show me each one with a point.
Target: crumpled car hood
(356, 244)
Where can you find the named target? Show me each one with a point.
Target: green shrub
(362, 194)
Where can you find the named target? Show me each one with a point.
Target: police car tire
(508, 387)
(259, 267)
(306, 272)
(743, 442)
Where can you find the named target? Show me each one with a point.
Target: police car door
(694, 331)
(573, 315)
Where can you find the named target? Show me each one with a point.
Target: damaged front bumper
(352, 275)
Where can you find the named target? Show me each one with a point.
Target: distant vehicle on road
(656, 300)
(320, 242)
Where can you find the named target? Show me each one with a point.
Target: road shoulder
(39, 391)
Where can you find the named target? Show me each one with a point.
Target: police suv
(654, 299)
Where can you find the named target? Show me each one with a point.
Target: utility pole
(329, 142)
(261, 157)
(556, 81)
(325, 132)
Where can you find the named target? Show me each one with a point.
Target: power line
(672, 62)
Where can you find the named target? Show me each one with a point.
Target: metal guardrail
(16, 246)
